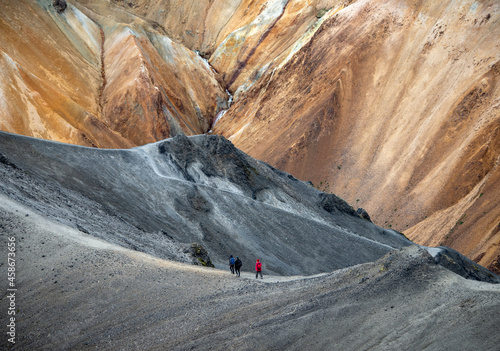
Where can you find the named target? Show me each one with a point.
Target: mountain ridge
(201, 189)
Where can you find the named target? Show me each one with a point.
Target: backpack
(259, 266)
(231, 261)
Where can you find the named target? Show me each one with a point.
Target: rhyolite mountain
(392, 105)
(180, 132)
(104, 252)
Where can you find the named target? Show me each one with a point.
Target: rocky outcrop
(200, 255)
(457, 263)
(59, 5)
(362, 212)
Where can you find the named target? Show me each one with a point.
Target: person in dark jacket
(231, 263)
(237, 265)
(258, 269)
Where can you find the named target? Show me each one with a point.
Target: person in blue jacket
(231, 264)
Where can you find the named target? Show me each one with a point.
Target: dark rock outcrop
(332, 203)
(6, 161)
(363, 213)
(461, 265)
(200, 255)
(59, 5)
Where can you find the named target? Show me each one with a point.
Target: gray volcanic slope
(76, 292)
(159, 197)
(92, 229)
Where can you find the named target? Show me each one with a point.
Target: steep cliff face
(394, 105)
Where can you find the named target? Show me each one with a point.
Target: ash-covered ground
(101, 259)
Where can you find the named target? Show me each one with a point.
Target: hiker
(237, 265)
(258, 269)
(231, 264)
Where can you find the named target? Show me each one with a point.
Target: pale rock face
(197, 24)
(242, 38)
(257, 47)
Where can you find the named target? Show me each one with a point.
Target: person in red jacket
(258, 269)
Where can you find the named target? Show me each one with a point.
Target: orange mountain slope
(392, 104)
(86, 78)
(395, 107)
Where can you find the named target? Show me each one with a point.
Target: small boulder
(200, 255)
(59, 5)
